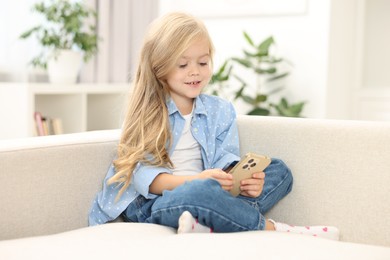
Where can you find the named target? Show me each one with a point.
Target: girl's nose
(194, 71)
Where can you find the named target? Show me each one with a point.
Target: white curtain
(121, 27)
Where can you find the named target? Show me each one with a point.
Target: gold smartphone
(244, 169)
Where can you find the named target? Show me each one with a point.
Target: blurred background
(337, 50)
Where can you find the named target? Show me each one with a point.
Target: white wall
(15, 54)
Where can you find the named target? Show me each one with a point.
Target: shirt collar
(199, 106)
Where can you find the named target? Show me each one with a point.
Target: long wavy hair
(146, 135)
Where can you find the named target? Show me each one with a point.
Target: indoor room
(334, 61)
(301, 84)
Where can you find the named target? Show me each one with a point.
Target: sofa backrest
(341, 172)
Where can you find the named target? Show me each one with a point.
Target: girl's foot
(317, 231)
(189, 224)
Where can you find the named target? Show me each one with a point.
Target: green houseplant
(64, 31)
(269, 72)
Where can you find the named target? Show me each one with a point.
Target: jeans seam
(261, 225)
(276, 187)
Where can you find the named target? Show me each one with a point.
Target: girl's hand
(253, 187)
(224, 179)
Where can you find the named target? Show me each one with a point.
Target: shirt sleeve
(227, 142)
(105, 208)
(144, 175)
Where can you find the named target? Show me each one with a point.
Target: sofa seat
(150, 241)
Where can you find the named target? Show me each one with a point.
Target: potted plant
(65, 37)
(269, 74)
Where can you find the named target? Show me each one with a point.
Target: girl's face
(191, 73)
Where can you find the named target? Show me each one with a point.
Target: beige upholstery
(149, 241)
(49, 182)
(341, 177)
(341, 172)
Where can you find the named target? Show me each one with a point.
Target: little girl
(177, 146)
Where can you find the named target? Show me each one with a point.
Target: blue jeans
(213, 206)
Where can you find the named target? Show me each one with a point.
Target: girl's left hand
(253, 187)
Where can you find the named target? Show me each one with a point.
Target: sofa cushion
(150, 241)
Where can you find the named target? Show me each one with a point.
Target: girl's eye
(203, 64)
(182, 66)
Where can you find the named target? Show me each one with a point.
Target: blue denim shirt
(213, 126)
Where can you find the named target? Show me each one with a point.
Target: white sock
(189, 224)
(317, 231)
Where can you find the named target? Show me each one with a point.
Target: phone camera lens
(250, 161)
(253, 164)
(245, 166)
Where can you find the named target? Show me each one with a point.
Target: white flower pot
(65, 67)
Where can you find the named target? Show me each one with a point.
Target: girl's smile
(194, 84)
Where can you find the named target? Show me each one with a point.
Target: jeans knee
(285, 172)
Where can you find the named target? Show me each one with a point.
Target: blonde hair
(146, 135)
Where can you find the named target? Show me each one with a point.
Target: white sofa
(341, 177)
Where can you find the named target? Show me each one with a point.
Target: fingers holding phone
(251, 169)
(224, 179)
(253, 187)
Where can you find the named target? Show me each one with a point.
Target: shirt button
(195, 129)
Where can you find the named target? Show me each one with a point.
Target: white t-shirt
(187, 157)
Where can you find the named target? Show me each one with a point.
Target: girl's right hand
(224, 179)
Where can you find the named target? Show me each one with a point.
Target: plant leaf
(276, 90)
(264, 45)
(248, 99)
(297, 108)
(222, 68)
(29, 32)
(259, 111)
(239, 92)
(284, 103)
(270, 60)
(261, 98)
(267, 71)
(244, 62)
(240, 80)
(248, 39)
(284, 109)
(248, 54)
(280, 76)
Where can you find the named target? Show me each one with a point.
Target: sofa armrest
(48, 183)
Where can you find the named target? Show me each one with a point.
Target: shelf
(81, 107)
